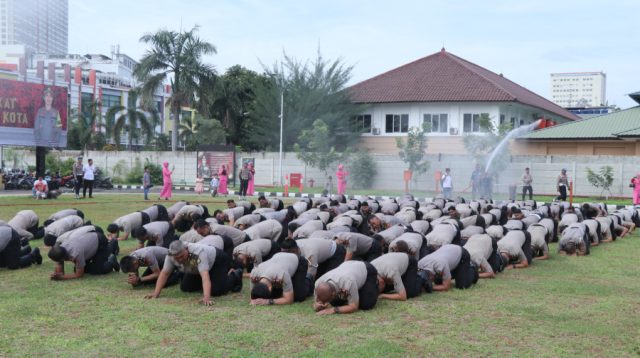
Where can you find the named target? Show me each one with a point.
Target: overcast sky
(524, 40)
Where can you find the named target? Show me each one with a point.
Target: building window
(472, 122)
(503, 119)
(397, 123)
(438, 123)
(363, 123)
(109, 101)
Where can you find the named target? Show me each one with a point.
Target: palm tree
(83, 127)
(178, 56)
(131, 117)
(188, 129)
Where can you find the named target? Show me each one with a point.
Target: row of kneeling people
(350, 253)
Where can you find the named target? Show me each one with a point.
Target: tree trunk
(174, 133)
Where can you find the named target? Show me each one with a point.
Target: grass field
(584, 306)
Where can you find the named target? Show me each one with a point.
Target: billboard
(33, 114)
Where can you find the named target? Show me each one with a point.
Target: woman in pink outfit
(222, 187)
(166, 181)
(250, 188)
(341, 175)
(636, 189)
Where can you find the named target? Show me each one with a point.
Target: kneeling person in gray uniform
(12, 254)
(359, 246)
(88, 250)
(252, 253)
(280, 280)
(157, 233)
(398, 276)
(574, 241)
(351, 286)
(323, 255)
(481, 248)
(205, 269)
(447, 263)
(515, 249)
(151, 257)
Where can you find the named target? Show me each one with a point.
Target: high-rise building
(40, 25)
(579, 89)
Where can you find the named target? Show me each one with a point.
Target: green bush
(362, 170)
(54, 164)
(135, 175)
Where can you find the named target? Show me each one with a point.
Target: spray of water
(505, 141)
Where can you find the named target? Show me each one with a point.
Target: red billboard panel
(33, 114)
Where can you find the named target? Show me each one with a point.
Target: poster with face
(214, 162)
(33, 114)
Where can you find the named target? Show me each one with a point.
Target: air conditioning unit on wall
(453, 131)
(375, 131)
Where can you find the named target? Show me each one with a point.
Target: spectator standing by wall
(562, 184)
(447, 183)
(78, 172)
(146, 183)
(527, 179)
(89, 171)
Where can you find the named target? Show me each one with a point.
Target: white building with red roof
(451, 94)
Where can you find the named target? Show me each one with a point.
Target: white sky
(524, 40)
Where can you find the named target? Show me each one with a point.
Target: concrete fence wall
(544, 169)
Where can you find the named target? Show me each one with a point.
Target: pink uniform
(166, 181)
(341, 175)
(222, 187)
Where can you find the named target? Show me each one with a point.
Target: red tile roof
(445, 77)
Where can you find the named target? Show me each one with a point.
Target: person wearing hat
(562, 183)
(447, 184)
(47, 125)
(205, 269)
(78, 173)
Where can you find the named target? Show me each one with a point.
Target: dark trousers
(374, 252)
(465, 274)
(221, 281)
(163, 214)
(99, 264)
(244, 185)
(563, 193)
(333, 262)
(87, 184)
(411, 281)
(15, 256)
(526, 248)
(368, 293)
(302, 285)
(496, 260)
(528, 188)
(78, 184)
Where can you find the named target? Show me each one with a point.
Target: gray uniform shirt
(538, 233)
(212, 240)
(276, 215)
(268, 229)
(75, 232)
(152, 211)
(355, 243)
(441, 234)
(413, 240)
(347, 279)
(153, 255)
(201, 258)
(23, 220)
(280, 268)
(191, 236)
(480, 248)
(173, 209)
(158, 230)
(247, 220)
(63, 225)
(129, 222)
(62, 213)
(236, 235)
(391, 233)
(186, 211)
(442, 261)
(81, 247)
(573, 233)
(512, 243)
(392, 266)
(316, 251)
(234, 213)
(254, 249)
(307, 229)
(421, 226)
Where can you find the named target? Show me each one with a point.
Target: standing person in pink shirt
(250, 188)
(341, 175)
(166, 181)
(199, 185)
(635, 183)
(222, 187)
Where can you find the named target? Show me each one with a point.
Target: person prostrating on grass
(351, 286)
(205, 269)
(281, 280)
(153, 258)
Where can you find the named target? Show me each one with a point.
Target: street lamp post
(281, 127)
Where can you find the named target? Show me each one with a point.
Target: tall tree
(201, 131)
(312, 90)
(412, 149)
(130, 118)
(176, 56)
(317, 150)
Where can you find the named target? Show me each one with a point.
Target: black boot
(36, 257)
(237, 287)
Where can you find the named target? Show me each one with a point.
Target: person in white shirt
(88, 177)
(447, 183)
